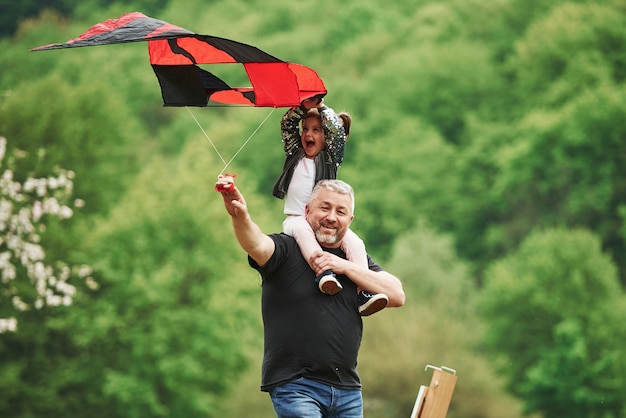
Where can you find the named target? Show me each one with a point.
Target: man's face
(312, 136)
(329, 214)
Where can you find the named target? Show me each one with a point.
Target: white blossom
(37, 210)
(8, 324)
(53, 183)
(24, 209)
(65, 212)
(19, 304)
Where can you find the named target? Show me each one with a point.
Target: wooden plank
(439, 394)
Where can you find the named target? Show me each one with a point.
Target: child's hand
(225, 183)
(312, 102)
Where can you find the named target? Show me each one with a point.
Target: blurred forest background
(488, 155)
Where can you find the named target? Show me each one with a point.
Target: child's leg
(369, 303)
(299, 228)
(354, 247)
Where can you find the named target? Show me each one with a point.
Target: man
(311, 339)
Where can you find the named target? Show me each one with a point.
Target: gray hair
(337, 186)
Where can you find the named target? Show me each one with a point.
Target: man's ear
(306, 210)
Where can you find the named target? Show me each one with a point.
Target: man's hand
(225, 183)
(234, 202)
(258, 245)
(322, 261)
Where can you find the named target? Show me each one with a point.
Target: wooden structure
(433, 401)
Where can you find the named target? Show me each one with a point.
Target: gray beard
(326, 239)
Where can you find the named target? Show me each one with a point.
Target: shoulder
(280, 238)
(286, 251)
(284, 245)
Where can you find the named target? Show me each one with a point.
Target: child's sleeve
(334, 133)
(290, 129)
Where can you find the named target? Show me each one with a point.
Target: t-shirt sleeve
(372, 265)
(281, 249)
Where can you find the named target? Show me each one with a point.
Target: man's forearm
(379, 282)
(250, 237)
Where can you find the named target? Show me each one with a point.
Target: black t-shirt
(307, 333)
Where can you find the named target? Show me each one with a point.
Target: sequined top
(327, 162)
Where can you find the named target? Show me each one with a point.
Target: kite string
(248, 140)
(226, 164)
(206, 135)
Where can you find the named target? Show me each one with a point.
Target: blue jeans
(306, 398)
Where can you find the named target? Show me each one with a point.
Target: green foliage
(75, 132)
(565, 168)
(13, 12)
(486, 119)
(166, 321)
(575, 47)
(437, 326)
(386, 205)
(556, 313)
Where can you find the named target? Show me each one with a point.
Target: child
(312, 155)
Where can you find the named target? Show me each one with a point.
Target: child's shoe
(370, 303)
(328, 283)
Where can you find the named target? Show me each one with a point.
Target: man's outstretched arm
(259, 246)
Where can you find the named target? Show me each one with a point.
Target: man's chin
(326, 239)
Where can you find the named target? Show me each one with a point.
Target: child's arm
(334, 133)
(290, 129)
(354, 247)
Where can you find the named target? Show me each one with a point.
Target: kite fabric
(175, 54)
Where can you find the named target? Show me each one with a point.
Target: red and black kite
(176, 52)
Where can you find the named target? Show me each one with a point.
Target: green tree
(558, 160)
(76, 133)
(437, 326)
(162, 336)
(564, 168)
(574, 48)
(486, 118)
(555, 312)
(29, 280)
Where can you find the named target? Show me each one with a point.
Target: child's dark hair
(346, 120)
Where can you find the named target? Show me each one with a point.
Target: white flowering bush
(27, 279)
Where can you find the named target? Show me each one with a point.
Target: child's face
(312, 137)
